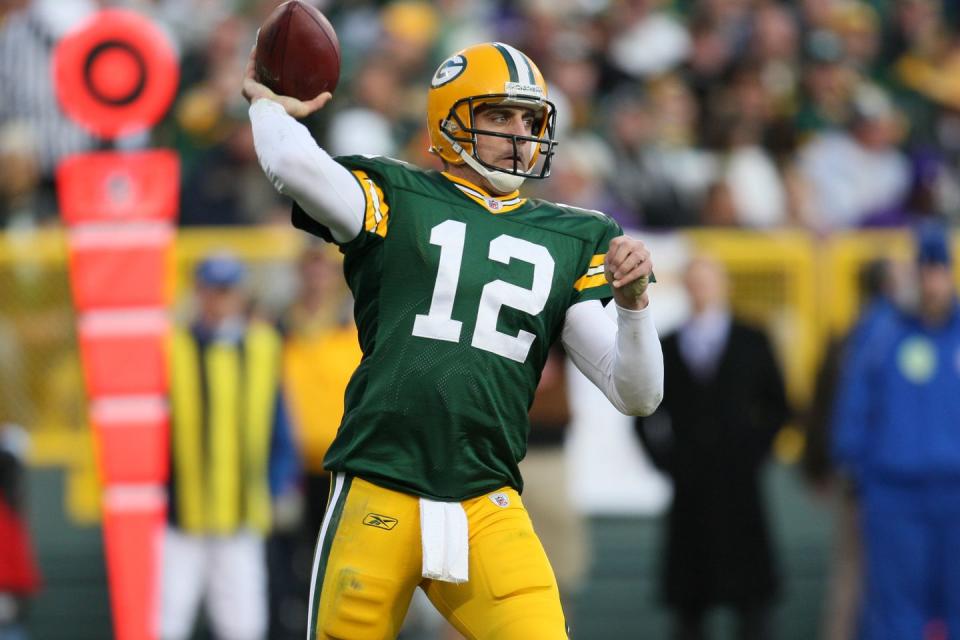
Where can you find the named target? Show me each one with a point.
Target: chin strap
(500, 181)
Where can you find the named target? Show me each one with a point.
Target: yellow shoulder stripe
(378, 211)
(595, 276)
(588, 282)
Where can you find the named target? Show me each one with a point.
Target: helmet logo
(448, 70)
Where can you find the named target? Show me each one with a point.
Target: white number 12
(439, 324)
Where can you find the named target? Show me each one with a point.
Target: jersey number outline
(439, 324)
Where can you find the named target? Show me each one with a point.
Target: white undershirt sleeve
(300, 169)
(622, 358)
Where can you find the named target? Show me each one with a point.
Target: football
(298, 53)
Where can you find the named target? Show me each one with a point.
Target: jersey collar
(493, 204)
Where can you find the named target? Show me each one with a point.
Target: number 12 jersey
(459, 296)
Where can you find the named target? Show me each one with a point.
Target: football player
(461, 286)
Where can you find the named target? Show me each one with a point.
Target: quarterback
(461, 286)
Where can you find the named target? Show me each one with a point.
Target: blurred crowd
(818, 114)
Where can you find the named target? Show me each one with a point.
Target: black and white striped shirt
(27, 95)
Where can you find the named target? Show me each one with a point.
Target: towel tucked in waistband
(443, 532)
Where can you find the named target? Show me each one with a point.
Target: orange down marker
(116, 74)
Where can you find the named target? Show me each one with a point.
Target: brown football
(298, 53)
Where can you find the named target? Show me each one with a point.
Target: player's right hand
(254, 90)
(627, 266)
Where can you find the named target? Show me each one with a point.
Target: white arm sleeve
(300, 169)
(623, 357)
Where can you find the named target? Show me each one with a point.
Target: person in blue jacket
(897, 436)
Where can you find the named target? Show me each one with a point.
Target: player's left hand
(628, 267)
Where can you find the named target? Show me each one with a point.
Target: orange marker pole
(116, 74)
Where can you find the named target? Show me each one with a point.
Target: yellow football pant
(369, 561)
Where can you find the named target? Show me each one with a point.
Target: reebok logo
(380, 522)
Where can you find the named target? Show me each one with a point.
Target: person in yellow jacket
(231, 455)
(321, 351)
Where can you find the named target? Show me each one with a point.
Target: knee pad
(359, 607)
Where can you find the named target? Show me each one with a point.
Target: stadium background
(750, 198)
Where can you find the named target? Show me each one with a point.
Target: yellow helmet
(489, 73)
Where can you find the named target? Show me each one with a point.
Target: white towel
(446, 548)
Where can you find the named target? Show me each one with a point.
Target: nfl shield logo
(502, 500)
(494, 204)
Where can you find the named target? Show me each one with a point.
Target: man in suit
(724, 403)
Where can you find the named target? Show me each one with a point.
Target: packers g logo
(450, 69)
(380, 522)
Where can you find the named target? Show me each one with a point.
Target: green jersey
(459, 296)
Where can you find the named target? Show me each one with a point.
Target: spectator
(19, 575)
(827, 84)
(646, 40)
(581, 178)
(369, 124)
(858, 173)
(857, 25)
(661, 173)
(724, 403)
(27, 39)
(409, 30)
(711, 56)
(20, 178)
(719, 209)
(231, 452)
(756, 188)
(320, 353)
(775, 46)
(921, 61)
(896, 437)
(221, 183)
(878, 285)
(321, 350)
(575, 75)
